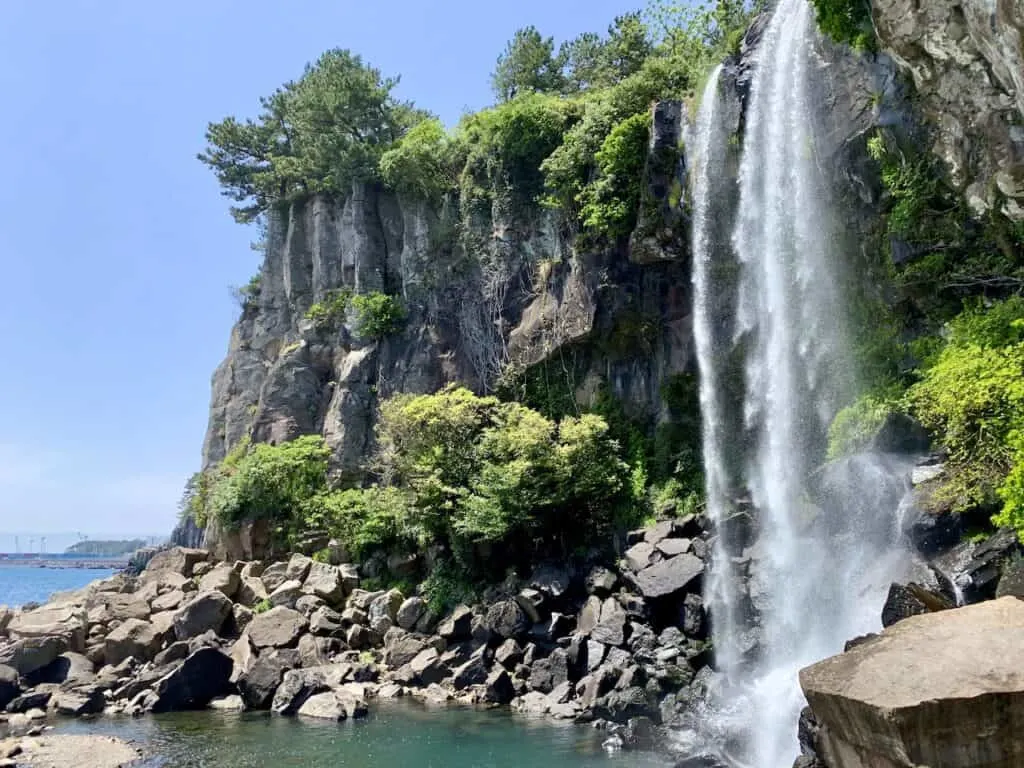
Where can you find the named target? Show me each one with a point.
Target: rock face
(966, 58)
(284, 377)
(944, 690)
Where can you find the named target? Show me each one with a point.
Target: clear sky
(117, 251)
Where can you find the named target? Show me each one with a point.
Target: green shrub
(330, 313)
(847, 21)
(448, 585)
(422, 163)
(262, 606)
(972, 397)
(609, 204)
(853, 426)
(377, 314)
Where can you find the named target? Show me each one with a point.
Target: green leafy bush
(847, 21)
(262, 606)
(377, 314)
(972, 397)
(610, 202)
(422, 163)
(855, 425)
(330, 312)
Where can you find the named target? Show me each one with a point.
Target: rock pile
(301, 637)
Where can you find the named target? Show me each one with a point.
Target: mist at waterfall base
(803, 554)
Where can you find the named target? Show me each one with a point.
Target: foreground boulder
(944, 690)
(31, 654)
(203, 676)
(206, 612)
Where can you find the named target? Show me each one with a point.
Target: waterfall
(803, 556)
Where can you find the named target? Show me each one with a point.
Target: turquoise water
(395, 735)
(20, 584)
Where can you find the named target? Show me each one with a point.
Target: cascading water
(802, 559)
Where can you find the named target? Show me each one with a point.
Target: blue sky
(116, 249)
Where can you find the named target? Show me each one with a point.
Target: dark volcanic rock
(906, 600)
(258, 684)
(507, 619)
(9, 687)
(670, 576)
(204, 675)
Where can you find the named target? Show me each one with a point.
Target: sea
(21, 584)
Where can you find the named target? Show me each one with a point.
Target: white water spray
(804, 576)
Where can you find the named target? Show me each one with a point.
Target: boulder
(341, 704)
(243, 656)
(509, 654)
(9, 687)
(67, 621)
(223, 578)
(473, 672)
(79, 702)
(659, 531)
(298, 568)
(133, 638)
(251, 591)
(1011, 584)
(177, 560)
(385, 606)
(905, 600)
(277, 628)
(241, 617)
(400, 650)
(324, 581)
(937, 689)
(611, 627)
(532, 602)
(590, 614)
(507, 619)
(168, 601)
(552, 579)
(640, 555)
(457, 625)
(498, 687)
(601, 581)
(274, 576)
(325, 621)
(308, 603)
(33, 653)
(258, 684)
(673, 547)
(231, 703)
(204, 675)
(297, 686)
(349, 576)
(693, 620)
(670, 577)
(205, 612)
(410, 612)
(317, 651)
(110, 606)
(428, 667)
(286, 594)
(30, 701)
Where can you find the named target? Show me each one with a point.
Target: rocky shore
(624, 646)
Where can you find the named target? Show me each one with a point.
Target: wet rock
(498, 687)
(905, 600)
(202, 676)
(231, 703)
(277, 628)
(32, 700)
(558, 626)
(258, 684)
(693, 622)
(206, 611)
(1011, 584)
